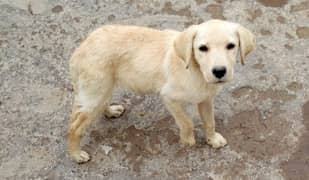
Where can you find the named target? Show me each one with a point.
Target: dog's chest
(189, 90)
(196, 93)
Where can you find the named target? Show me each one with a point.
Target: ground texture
(263, 113)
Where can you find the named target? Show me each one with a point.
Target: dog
(188, 66)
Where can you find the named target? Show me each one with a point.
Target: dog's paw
(80, 156)
(188, 140)
(114, 111)
(217, 140)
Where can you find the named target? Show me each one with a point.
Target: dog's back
(125, 52)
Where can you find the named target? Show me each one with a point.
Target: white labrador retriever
(189, 66)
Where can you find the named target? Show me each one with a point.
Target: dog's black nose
(219, 71)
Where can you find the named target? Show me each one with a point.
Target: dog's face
(214, 46)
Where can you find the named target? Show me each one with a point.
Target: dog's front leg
(206, 112)
(183, 121)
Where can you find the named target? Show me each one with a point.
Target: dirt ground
(263, 113)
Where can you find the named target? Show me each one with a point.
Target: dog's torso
(141, 60)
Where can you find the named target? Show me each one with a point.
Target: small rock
(262, 138)
(111, 17)
(281, 19)
(302, 32)
(106, 149)
(57, 9)
(141, 114)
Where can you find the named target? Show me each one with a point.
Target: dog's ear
(183, 44)
(246, 42)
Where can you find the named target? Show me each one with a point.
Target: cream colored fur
(146, 60)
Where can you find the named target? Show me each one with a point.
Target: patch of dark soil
(57, 9)
(199, 2)
(254, 14)
(259, 132)
(273, 3)
(145, 143)
(265, 32)
(281, 19)
(136, 150)
(296, 168)
(261, 139)
(216, 11)
(168, 8)
(302, 32)
(138, 144)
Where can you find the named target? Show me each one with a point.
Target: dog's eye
(203, 48)
(230, 46)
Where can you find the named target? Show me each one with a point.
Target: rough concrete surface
(263, 113)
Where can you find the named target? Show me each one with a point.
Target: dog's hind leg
(92, 96)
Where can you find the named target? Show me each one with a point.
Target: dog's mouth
(220, 82)
(217, 82)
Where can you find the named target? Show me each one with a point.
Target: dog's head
(214, 46)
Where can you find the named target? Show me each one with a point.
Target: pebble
(106, 149)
